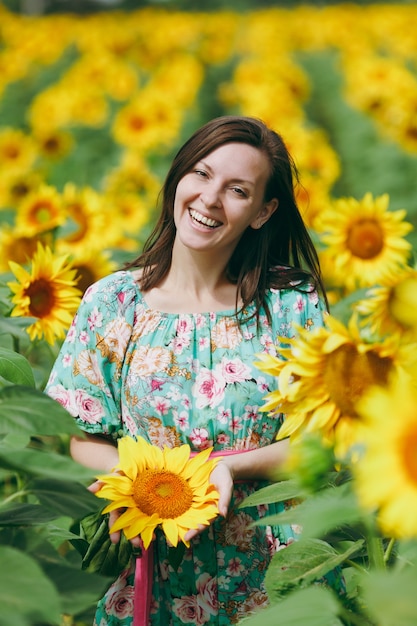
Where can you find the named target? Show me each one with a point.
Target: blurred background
(97, 95)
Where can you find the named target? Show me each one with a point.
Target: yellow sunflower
(386, 475)
(365, 239)
(88, 214)
(40, 211)
(17, 150)
(147, 122)
(46, 292)
(324, 374)
(14, 187)
(91, 265)
(160, 487)
(392, 308)
(17, 246)
(53, 143)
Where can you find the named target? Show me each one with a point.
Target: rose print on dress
(208, 388)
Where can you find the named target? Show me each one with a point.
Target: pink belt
(142, 594)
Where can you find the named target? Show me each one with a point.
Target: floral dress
(125, 369)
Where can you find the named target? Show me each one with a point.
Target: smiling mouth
(201, 219)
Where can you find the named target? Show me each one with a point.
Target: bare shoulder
(137, 275)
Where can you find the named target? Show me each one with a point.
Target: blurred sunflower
(160, 487)
(324, 374)
(15, 186)
(365, 239)
(17, 150)
(53, 143)
(147, 122)
(46, 292)
(391, 309)
(41, 210)
(17, 246)
(88, 221)
(386, 476)
(91, 265)
(132, 176)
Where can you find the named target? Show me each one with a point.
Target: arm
(260, 464)
(95, 451)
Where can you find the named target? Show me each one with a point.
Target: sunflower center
(162, 492)
(42, 213)
(41, 296)
(409, 454)
(365, 239)
(348, 374)
(137, 122)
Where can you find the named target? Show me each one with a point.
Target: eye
(240, 192)
(201, 173)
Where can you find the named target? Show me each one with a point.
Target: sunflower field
(93, 107)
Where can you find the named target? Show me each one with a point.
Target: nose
(211, 196)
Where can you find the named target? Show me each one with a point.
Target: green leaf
(29, 410)
(302, 563)
(78, 589)
(103, 556)
(278, 492)
(390, 596)
(47, 464)
(315, 606)
(14, 440)
(15, 368)
(27, 596)
(320, 513)
(66, 498)
(22, 514)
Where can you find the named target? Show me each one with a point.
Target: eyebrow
(242, 181)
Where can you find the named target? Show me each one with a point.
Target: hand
(221, 477)
(113, 516)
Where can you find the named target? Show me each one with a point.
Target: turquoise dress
(125, 369)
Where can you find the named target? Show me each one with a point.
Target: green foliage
(380, 574)
(44, 494)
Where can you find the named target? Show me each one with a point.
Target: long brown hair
(280, 255)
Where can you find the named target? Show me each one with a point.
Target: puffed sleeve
(293, 308)
(86, 377)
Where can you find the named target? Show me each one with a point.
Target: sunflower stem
(375, 551)
(14, 496)
(356, 566)
(389, 550)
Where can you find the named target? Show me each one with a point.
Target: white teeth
(203, 220)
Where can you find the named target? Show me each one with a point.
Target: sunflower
(17, 246)
(53, 143)
(91, 265)
(15, 186)
(160, 487)
(324, 374)
(147, 122)
(392, 308)
(88, 215)
(386, 475)
(47, 293)
(365, 239)
(17, 150)
(40, 211)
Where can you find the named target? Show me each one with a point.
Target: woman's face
(221, 196)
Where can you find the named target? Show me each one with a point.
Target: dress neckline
(166, 314)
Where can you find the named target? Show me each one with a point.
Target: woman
(165, 350)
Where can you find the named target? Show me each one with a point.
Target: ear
(264, 214)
